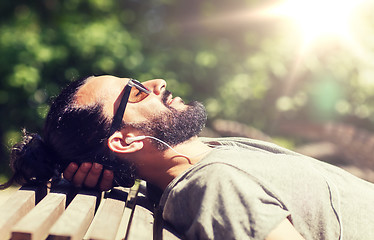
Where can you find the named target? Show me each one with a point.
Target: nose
(155, 85)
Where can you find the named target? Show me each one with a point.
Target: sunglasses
(133, 92)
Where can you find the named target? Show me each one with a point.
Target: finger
(93, 175)
(107, 180)
(70, 171)
(81, 174)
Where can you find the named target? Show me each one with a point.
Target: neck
(160, 168)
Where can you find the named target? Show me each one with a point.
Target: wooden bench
(63, 212)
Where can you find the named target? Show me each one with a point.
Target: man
(213, 189)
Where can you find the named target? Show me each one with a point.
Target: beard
(174, 126)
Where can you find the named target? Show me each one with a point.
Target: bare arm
(284, 231)
(88, 174)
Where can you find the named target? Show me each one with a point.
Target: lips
(169, 99)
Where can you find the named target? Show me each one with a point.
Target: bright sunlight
(318, 18)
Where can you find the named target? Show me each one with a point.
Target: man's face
(174, 126)
(159, 115)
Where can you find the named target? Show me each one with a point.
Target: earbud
(130, 140)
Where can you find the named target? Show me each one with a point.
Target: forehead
(101, 89)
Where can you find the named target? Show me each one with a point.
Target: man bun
(31, 161)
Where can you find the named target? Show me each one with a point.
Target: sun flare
(318, 18)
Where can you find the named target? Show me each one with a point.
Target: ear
(117, 143)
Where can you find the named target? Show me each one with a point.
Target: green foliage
(250, 70)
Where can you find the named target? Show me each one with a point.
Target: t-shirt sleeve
(220, 201)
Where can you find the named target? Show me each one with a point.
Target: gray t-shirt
(244, 188)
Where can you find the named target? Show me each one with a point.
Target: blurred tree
(45, 44)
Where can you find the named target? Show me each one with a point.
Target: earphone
(130, 140)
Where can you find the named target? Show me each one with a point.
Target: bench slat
(141, 225)
(76, 219)
(122, 214)
(126, 218)
(168, 234)
(36, 224)
(17, 206)
(108, 217)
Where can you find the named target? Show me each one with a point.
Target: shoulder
(212, 172)
(219, 180)
(236, 168)
(220, 199)
(247, 143)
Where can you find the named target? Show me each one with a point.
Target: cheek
(137, 112)
(133, 115)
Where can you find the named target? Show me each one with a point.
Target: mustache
(165, 96)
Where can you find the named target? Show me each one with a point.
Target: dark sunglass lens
(137, 95)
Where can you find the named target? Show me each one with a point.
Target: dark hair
(71, 133)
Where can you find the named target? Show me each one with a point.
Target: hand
(88, 174)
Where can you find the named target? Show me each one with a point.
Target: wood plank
(75, 221)
(36, 224)
(108, 217)
(123, 226)
(17, 206)
(127, 213)
(168, 234)
(141, 226)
